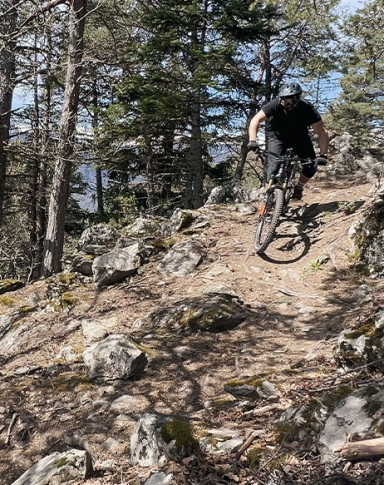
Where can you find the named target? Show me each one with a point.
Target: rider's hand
(322, 160)
(253, 146)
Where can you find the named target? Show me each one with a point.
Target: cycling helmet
(290, 89)
(290, 95)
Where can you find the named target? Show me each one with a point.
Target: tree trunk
(7, 69)
(265, 70)
(196, 157)
(54, 240)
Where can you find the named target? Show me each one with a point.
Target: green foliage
(316, 264)
(183, 92)
(359, 109)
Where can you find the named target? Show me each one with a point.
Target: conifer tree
(187, 87)
(359, 109)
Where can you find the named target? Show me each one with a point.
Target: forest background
(154, 98)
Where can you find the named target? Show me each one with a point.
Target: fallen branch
(264, 409)
(295, 293)
(361, 449)
(9, 432)
(346, 373)
(247, 443)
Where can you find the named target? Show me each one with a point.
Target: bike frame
(276, 199)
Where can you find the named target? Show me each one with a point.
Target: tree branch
(41, 9)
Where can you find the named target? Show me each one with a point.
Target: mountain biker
(288, 118)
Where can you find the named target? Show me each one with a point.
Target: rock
(116, 357)
(58, 468)
(179, 220)
(124, 404)
(115, 266)
(157, 437)
(82, 263)
(181, 260)
(232, 192)
(251, 388)
(219, 290)
(215, 313)
(349, 418)
(98, 239)
(142, 226)
(160, 479)
(361, 345)
(220, 441)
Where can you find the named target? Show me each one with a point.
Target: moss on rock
(10, 285)
(182, 434)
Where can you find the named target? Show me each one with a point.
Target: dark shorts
(303, 148)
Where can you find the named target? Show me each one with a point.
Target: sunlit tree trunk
(196, 157)
(54, 240)
(98, 171)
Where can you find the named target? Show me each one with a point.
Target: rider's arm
(254, 124)
(322, 133)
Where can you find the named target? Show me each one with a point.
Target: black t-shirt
(285, 124)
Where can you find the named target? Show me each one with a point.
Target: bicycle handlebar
(285, 157)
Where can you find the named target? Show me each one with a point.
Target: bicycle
(277, 197)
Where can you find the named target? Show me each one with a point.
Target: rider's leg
(304, 149)
(275, 148)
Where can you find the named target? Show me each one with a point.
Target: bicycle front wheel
(292, 181)
(269, 215)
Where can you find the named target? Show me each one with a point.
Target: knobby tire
(268, 220)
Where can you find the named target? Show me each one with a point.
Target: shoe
(297, 192)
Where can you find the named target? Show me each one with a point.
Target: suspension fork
(264, 206)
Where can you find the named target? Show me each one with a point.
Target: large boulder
(212, 313)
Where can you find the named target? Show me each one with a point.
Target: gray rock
(98, 239)
(179, 220)
(115, 357)
(181, 259)
(159, 479)
(213, 313)
(149, 445)
(142, 226)
(115, 266)
(124, 404)
(347, 419)
(58, 468)
(82, 263)
(249, 390)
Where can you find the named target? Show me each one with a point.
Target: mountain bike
(277, 196)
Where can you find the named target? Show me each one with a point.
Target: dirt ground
(301, 294)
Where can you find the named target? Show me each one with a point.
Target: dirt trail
(301, 294)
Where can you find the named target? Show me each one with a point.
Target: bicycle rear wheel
(268, 220)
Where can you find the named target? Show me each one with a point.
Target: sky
(353, 5)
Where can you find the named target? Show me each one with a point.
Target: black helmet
(290, 95)
(290, 89)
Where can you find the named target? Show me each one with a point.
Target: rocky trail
(300, 295)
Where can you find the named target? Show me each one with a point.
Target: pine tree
(359, 109)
